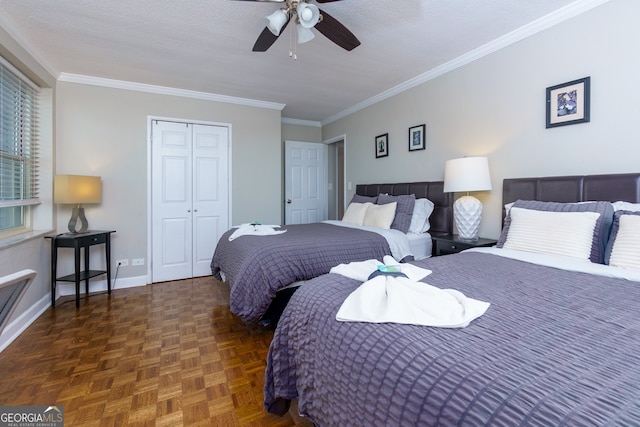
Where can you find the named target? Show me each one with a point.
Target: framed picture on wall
(568, 103)
(416, 138)
(382, 145)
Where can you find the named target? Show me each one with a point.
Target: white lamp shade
(467, 174)
(77, 189)
(276, 21)
(304, 34)
(308, 14)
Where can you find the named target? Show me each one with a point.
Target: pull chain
(292, 44)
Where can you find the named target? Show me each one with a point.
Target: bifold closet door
(190, 197)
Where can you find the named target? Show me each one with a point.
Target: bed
(258, 267)
(558, 344)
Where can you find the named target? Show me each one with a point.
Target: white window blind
(18, 147)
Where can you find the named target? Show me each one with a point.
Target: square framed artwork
(568, 103)
(416, 138)
(382, 145)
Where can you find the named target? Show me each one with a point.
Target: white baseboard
(22, 322)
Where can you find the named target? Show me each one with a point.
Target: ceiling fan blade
(336, 32)
(267, 38)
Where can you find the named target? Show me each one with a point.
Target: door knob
(288, 200)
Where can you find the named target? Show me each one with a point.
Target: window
(18, 149)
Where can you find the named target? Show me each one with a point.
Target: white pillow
(355, 213)
(626, 206)
(422, 210)
(560, 233)
(380, 216)
(626, 248)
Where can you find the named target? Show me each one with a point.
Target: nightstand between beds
(445, 244)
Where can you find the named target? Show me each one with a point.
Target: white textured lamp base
(467, 212)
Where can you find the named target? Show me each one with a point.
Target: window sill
(7, 242)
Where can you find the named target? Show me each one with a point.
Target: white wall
(495, 106)
(301, 132)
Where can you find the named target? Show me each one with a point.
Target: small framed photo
(568, 103)
(382, 145)
(416, 138)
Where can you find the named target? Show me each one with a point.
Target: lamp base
(78, 214)
(467, 213)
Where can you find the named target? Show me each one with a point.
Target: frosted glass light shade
(304, 34)
(276, 21)
(308, 14)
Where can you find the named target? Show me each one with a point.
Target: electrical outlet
(122, 262)
(137, 261)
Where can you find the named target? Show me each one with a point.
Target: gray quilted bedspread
(554, 348)
(257, 266)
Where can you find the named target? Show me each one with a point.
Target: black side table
(445, 244)
(78, 241)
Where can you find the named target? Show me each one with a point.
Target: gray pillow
(404, 209)
(600, 234)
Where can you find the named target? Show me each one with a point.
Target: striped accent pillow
(624, 246)
(561, 233)
(600, 233)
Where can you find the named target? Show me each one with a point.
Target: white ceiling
(205, 45)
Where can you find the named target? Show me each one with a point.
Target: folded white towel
(389, 299)
(361, 270)
(255, 230)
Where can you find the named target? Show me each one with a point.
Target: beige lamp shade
(77, 189)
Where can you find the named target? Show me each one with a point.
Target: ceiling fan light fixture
(304, 34)
(276, 21)
(308, 14)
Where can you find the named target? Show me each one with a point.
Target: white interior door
(210, 193)
(305, 182)
(190, 197)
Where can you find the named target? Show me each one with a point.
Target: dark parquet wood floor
(167, 354)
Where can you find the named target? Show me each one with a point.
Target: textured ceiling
(205, 45)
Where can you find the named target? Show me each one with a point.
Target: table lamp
(77, 190)
(464, 175)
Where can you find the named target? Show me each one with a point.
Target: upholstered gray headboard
(442, 217)
(576, 188)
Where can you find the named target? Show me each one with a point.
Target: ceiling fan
(306, 16)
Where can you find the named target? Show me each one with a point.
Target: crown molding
(547, 21)
(289, 121)
(163, 90)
